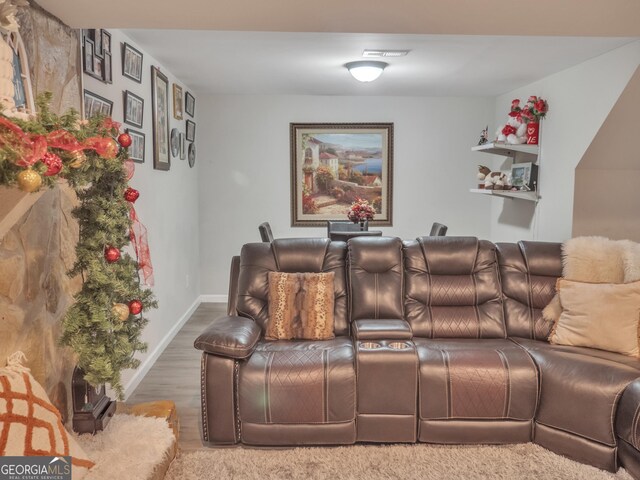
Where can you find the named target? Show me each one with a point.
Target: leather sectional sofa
(438, 340)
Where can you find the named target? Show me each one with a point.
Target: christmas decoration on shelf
(35, 153)
(124, 139)
(111, 254)
(523, 125)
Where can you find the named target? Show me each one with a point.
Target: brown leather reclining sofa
(438, 340)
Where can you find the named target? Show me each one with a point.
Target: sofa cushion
(528, 272)
(300, 306)
(453, 288)
(580, 388)
(290, 255)
(492, 379)
(299, 382)
(605, 316)
(375, 278)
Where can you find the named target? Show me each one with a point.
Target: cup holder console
(370, 345)
(399, 345)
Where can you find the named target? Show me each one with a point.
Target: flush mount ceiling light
(366, 71)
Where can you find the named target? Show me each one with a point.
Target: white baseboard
(148, 362)
(214, 298)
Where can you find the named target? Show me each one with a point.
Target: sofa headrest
(375, 254)
(449, 255)
(542, 258)
(300, 254)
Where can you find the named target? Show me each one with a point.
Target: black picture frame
(88, 49)
(137, 149)
(96, 36)
(107, 68)
(133, 109)
(106, 41)
(94, 104)
(96, 54)
(191, 131)
(160, 101)
(189, 104)
(132, 62)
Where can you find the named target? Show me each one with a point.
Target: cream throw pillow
(29, 423)
(604, 316)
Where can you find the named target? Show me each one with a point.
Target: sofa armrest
(391, 329)
(233, 337)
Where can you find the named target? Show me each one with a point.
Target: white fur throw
(596, 260)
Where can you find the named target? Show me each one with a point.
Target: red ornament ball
(131, 194)
(135, 307)
(124, 139)
(111, 254)
(53, 163)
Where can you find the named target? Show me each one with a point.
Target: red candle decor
(124, 139)
(111, 254)
(131, 194)
(135, 307)
(53, 163)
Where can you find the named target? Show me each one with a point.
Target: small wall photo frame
(137, 148)
(177, 101)
(132, 60)
(160, 101)
(133, 109)
(183, 147)
(96, 105)
(190, 104)
(191, 131)
(524, 176)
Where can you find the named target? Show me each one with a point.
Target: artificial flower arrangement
(361, 211)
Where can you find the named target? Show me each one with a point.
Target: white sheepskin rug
(129, 448)
(370, 462)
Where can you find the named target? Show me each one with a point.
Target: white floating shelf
(506, 150)
(529, 196)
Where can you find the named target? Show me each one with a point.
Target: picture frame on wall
(344, 161)
(189, 104)
(175, 142)
(133, 109)
(191, 131)
(96, 54)
(132, 60)
(94, 105)
(160, 102)
(192, 154)
(183, 146)
(177, 101)
(136, 150)
(88, 52)
(108, 75)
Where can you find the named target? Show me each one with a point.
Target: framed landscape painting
(333, 164)
(160, 101)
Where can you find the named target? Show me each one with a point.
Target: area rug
(130, 448)
(368, 462)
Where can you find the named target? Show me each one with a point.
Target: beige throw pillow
(300, 306)
(604, 316)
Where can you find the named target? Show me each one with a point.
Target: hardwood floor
(176, 376)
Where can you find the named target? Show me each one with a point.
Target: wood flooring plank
(176, 376)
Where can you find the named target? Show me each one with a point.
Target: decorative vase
(364, 225)
(533, 133)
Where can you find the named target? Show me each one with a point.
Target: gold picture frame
(177, 102)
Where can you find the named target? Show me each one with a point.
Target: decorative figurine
(484, 136)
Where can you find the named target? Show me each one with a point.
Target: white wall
(580, 98)
(168, 207)
(244, 177)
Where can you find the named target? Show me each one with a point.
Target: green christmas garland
(104, 337)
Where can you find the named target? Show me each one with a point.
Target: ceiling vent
(384, 53)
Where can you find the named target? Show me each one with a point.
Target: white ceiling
(312, 63)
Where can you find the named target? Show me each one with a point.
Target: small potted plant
(361, 212)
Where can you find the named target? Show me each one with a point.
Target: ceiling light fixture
(366, 71)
